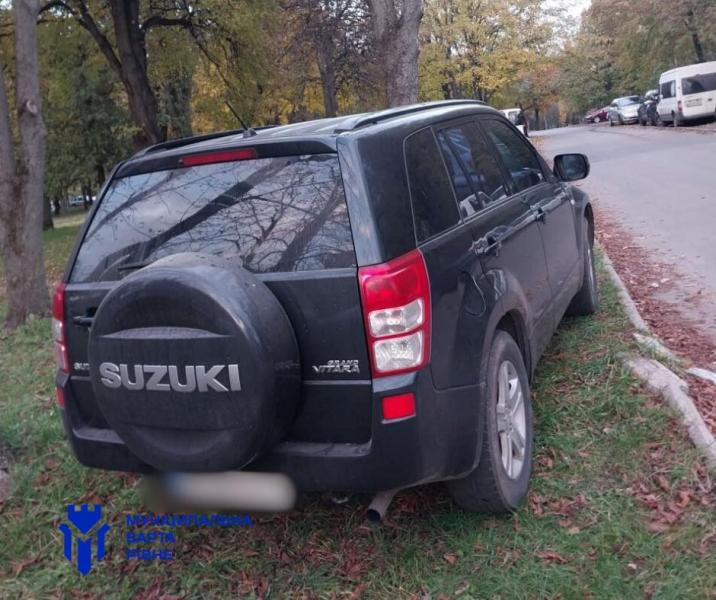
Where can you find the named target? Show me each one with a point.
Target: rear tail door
(285, 219)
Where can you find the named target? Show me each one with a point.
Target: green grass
(609, 460)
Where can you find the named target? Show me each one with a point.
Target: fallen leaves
(20, 565)
(667, 502)
(676, 317)
(551, 556)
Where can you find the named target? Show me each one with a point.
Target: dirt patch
(664, 306)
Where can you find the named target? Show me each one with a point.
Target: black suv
(358, 303)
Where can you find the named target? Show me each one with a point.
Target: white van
(687, 93)
(512, 114)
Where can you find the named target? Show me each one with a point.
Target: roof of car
(318, 128)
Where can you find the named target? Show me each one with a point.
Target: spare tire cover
(194, 364)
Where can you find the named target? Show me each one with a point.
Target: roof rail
(178, 143)
(382, 115)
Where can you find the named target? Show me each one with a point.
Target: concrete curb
(629, 307)
(660, 379)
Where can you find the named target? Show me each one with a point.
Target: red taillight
(401, 406)
(217, 157)
(678, 106)
(396, 311)
(58, 329)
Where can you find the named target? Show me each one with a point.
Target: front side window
(474, 171)
(519, 159)
(271, 214)
(434, 207)
(668, 89)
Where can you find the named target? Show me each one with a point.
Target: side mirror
(571, 167)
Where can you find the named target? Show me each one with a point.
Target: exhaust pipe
(378, 508)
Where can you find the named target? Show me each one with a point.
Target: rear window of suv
(271, 214)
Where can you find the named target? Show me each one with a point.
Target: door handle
(487, 245)
(540, 215)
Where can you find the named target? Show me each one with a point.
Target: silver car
(624, 110)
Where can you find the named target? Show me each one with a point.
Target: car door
(552, 204)
(667, 100)
(507, 242)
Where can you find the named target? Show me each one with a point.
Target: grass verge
(620, 506)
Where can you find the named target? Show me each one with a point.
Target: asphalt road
(659, 185)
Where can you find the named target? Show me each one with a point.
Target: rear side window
(668, 89)
(271, 214)
(522, 164)
(434, 207)
(475, 173)
(698, 84)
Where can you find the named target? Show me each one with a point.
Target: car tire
(586, 300)
(499, 483)
(597, 119)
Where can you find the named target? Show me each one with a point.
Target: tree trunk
(47, 216)
(396, 36)
(129, 63)
(695, 38)
(133, 58)
(22, 177)
(327, 70)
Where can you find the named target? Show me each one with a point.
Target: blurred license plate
(269, 492)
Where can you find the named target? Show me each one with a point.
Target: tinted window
(698, 84)
(272, 214)
(474, 172)
(434, 208)
(628, 101)
(668, 89)
(524, 167)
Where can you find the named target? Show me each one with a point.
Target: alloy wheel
(511, 420)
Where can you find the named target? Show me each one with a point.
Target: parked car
(647, 108)
(75, 201)
(358, 303)
(517, 118)
(624, 110)
(597, 116)
(687, 93)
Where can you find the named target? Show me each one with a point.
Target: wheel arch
(513, 323)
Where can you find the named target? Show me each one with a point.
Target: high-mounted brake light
(58, 329)
(209, 158)
(396, 310)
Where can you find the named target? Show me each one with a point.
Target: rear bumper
(439, 443)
